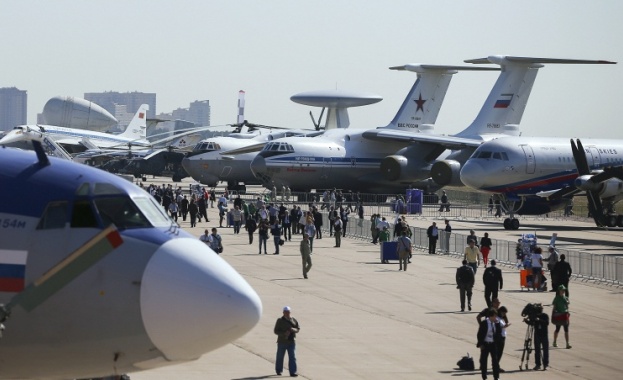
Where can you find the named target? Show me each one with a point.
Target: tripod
(527, 347)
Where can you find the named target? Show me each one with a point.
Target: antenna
(240, 107)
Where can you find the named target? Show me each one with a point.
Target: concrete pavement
(361, 319)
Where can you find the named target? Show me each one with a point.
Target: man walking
(492, 278)
(489, 335)
(465, 283)
(472, 256)
(306, 255)
(404, 250)
(433, 234)
(286, 329)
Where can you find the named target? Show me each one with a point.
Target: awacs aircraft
(344, 158)
(96, 279)
(536, 175)
(391, 158)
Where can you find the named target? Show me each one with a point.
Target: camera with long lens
(531, 313)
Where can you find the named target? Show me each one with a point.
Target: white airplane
(537, 175)
(78, 140)
(96, 279)
(391, 158)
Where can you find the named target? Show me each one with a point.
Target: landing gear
(511, 224)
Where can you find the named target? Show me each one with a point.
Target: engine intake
(446, 173)
(393, 167)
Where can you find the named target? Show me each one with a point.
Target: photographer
(540, 322)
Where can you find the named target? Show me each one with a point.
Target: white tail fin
(137, 129)
(421, 107)
(505, 105)
(240, 107)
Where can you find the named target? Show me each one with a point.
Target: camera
(531, 313)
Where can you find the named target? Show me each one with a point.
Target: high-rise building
(198, 113)
(13, 108)
(131, 101)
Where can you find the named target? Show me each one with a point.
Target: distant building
(198, 113)
(13, 108)
(131, 100)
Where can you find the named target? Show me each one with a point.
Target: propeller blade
(579, 155)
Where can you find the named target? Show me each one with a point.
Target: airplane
(96, 280)
(404, 153)
(207, 165)
(78, 140)
(537, 175)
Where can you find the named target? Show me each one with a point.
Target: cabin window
(54, 216)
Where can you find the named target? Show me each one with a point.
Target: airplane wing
(246, 149)
(448, 142)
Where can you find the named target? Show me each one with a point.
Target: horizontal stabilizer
(500, 59)
(419, 68)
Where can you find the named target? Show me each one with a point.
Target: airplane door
(530, 161)
(326, 168)
(595, 156)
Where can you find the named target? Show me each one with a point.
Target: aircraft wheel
(620, 220)
(514, 223)
(507, 224)
(612, 220)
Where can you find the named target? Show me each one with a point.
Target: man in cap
(286, 329)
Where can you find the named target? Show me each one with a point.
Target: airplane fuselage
(339, 158)
(527, 166)
(157, 297)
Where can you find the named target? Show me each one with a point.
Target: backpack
(466, 363)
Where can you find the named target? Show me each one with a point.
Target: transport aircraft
(96, 280)
(400, 155)
(78, 140)
(537, 175)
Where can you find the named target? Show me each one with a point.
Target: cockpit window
(278, 147)
(484, 154)
(106, 189)
(121, 212)
(504, 156)
(153, 211)
(82, 215)
(54, 216)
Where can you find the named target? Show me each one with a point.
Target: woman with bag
(560, 314)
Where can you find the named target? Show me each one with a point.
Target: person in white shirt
(537, 268)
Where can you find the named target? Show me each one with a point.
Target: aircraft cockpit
(100, 204)
(275, 148)
(206, 146)
(486, 154)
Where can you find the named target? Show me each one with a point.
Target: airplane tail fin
(240, 107)
(504, 107)
(420, 108)
(137, 129)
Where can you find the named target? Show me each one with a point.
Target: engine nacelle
(446, 173)
(611, 188)
(394, 167)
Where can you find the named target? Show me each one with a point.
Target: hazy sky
(200, 49)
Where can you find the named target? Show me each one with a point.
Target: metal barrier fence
(585, 265)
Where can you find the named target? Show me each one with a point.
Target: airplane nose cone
(193, 302)
(472, 175)
(258, 165)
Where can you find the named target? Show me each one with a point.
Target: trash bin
(389, 251)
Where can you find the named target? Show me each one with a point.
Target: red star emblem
(420, 103)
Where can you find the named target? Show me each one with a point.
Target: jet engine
(446, 173)
(394, 167)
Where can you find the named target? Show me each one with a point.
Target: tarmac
(361, 319)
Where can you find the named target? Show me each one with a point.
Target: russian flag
(504, 101)
(12, 270)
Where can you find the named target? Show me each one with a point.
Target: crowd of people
(267, 218)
